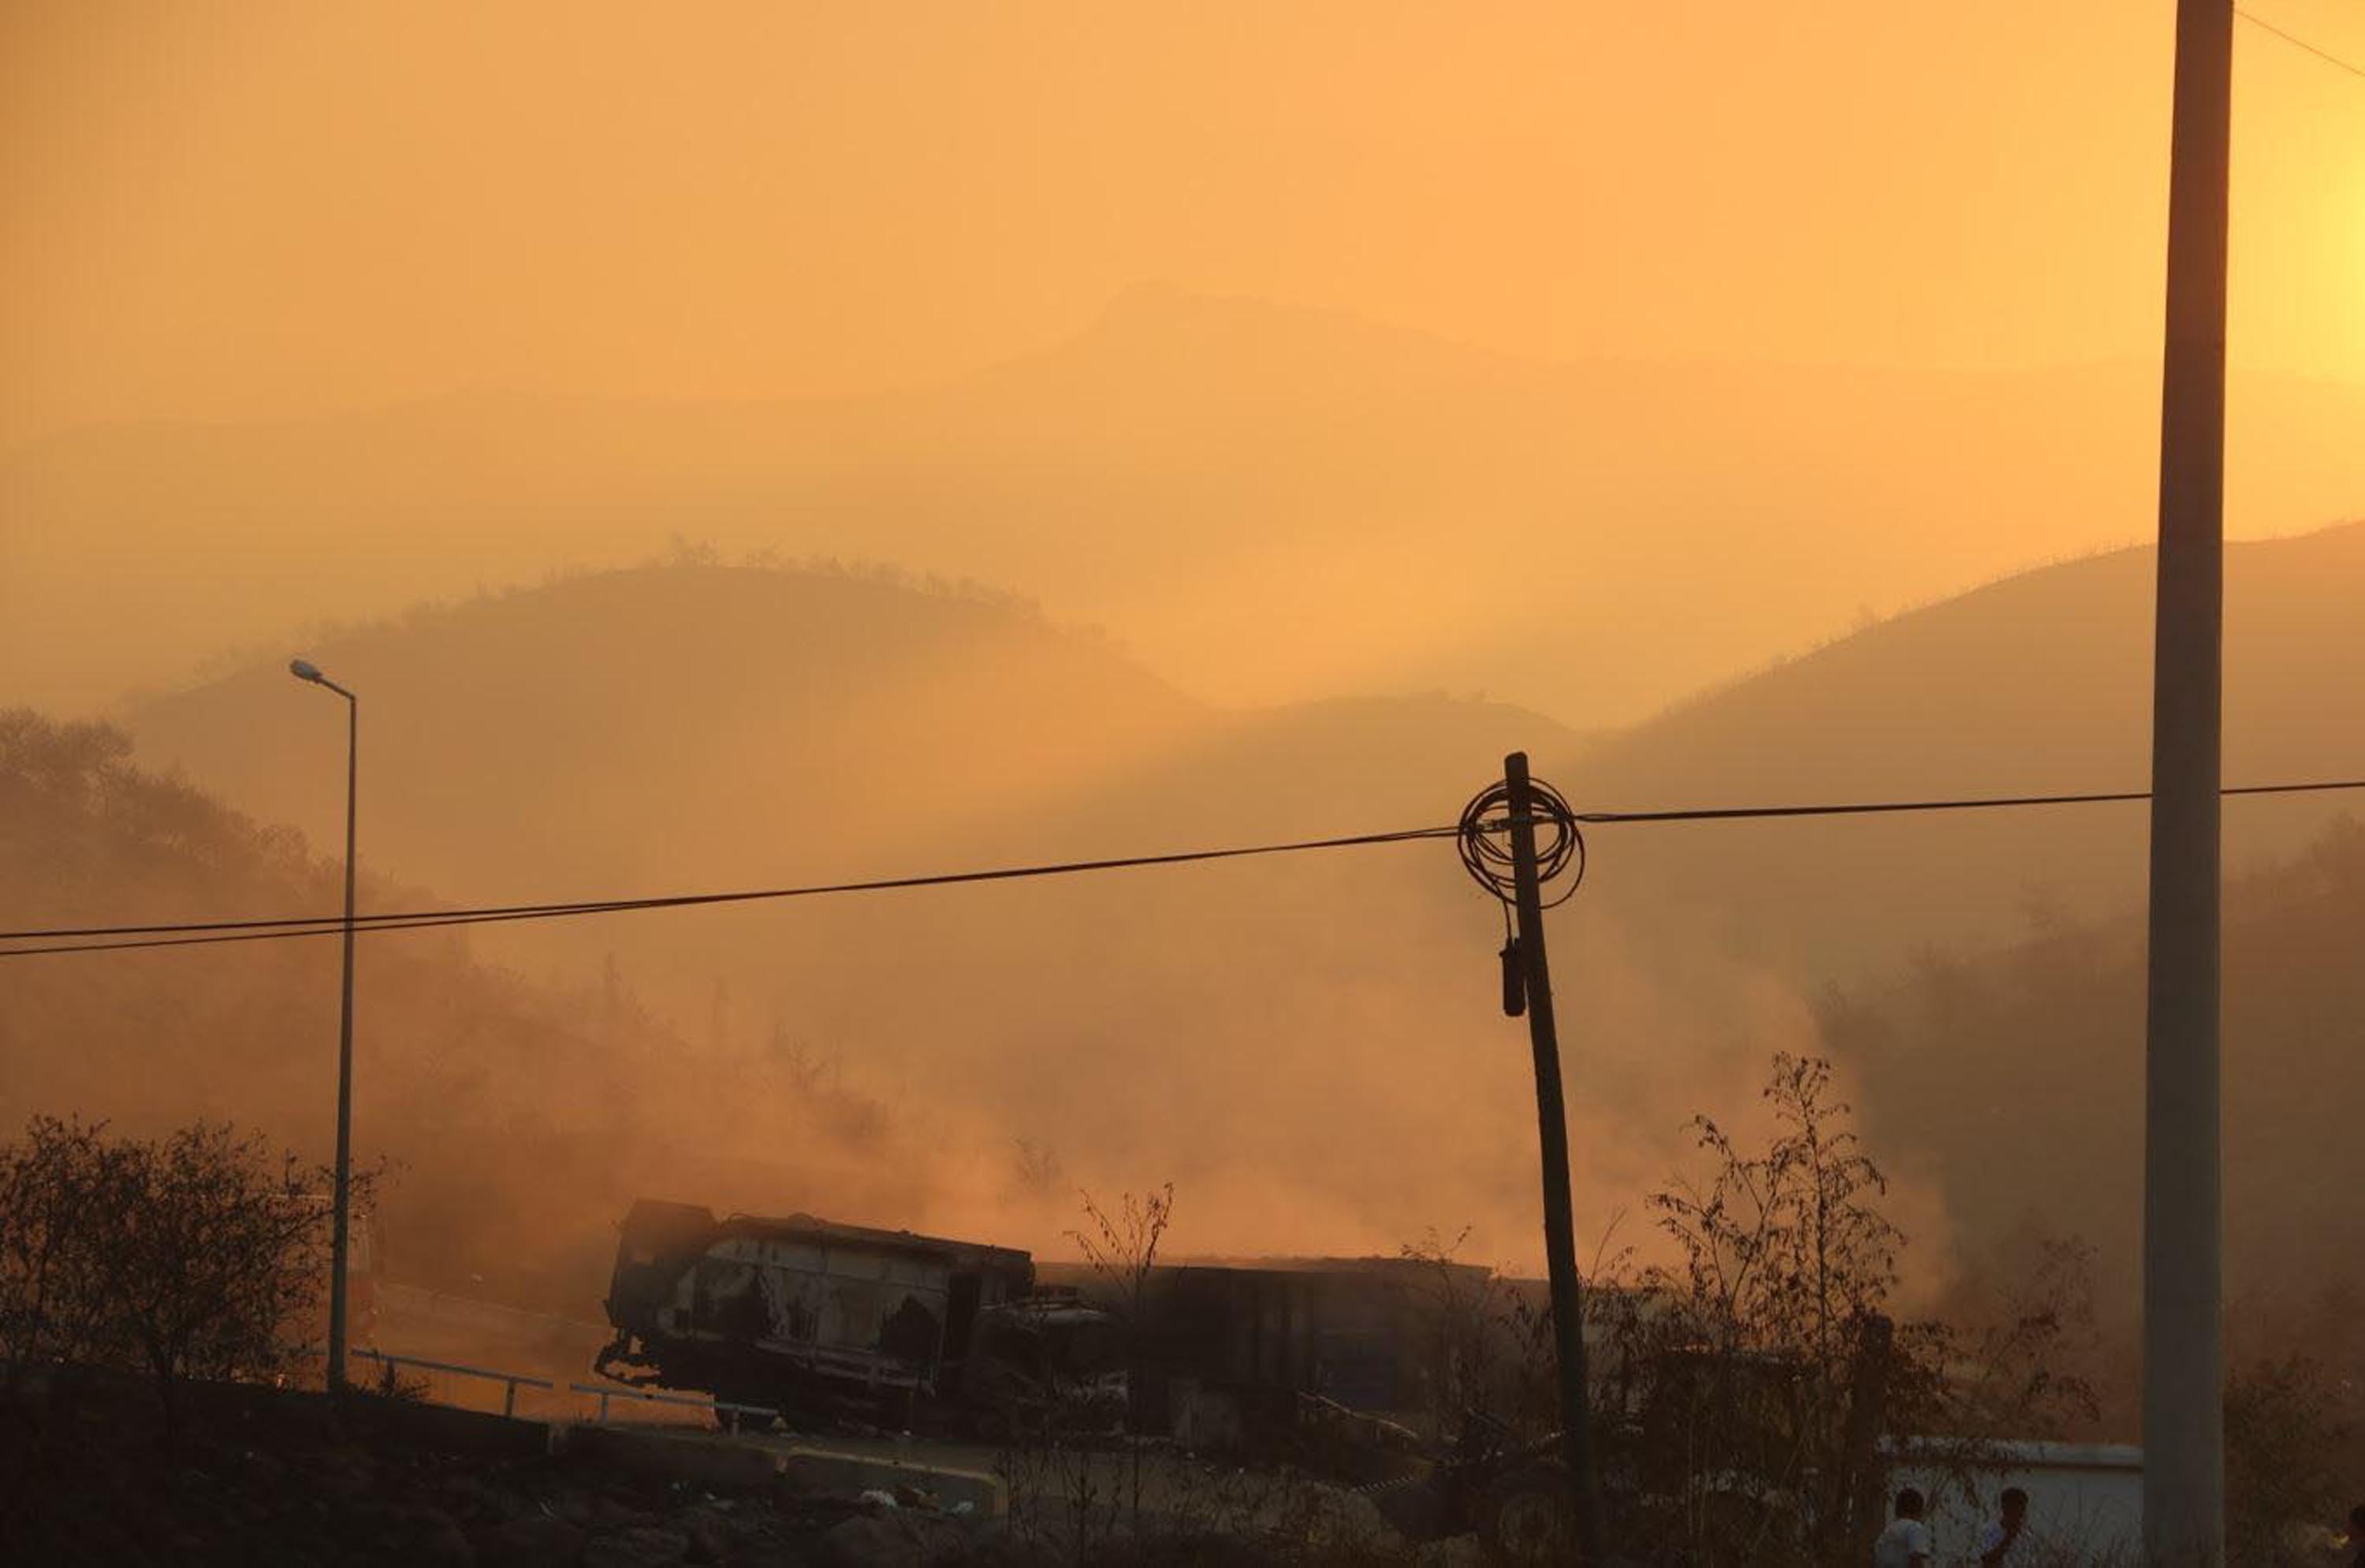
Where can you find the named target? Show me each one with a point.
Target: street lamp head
(304, 669)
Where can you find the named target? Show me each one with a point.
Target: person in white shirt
(1999, 1537)
(1906, 1543)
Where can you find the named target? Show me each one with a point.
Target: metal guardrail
(510, 1381)
(608, 1392)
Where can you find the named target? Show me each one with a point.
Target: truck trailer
(807, 1315)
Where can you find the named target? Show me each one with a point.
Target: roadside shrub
(200, 1254)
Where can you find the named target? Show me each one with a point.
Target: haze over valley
(760, 448)
(1308, 1046)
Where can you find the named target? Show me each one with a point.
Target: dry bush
(1489, 1349)
(1742, 1389)
(2283, 1428)
(1071, 1494)
(200, 1254)
(1121, 1248)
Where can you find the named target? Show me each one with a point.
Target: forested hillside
(2015, 1078)
(518, 1119)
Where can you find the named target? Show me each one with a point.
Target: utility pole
(2184, 1412)
(1552, 1127)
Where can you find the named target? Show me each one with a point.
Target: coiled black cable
(1484, 839)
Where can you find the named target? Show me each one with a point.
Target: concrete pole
(2183, 1416)
(1551, 1118)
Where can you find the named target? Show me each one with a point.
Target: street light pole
(341, 1221)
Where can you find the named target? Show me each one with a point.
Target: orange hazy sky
(265, 208)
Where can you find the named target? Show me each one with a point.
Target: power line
(2297, 42)
(207, 932)
(322, 925)
(434, 922)
(1980, 803)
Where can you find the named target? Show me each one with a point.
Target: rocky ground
(256, 1478)
(89, 1474)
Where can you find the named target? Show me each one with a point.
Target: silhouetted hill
(1272, 1034)
(2015, 1078)
(669, 723)
(1271, 502)
(699, 726)
(2036, 684)
(520, 1117)
(700, 723)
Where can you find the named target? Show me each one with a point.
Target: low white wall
(2085, 1500)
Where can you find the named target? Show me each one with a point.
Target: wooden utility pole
(1552, 1126)
(2183, 1419)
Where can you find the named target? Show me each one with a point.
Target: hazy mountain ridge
(1213, 476)
(663, 713)
(1302, 1043)
(518, 1117)
(2036, 684)
(699, 726)
(657, 722)
(2043, 1045)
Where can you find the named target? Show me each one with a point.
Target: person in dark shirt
(1998, 1538)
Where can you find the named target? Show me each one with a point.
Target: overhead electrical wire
(207, 932)
(2298, 42)
(1982, 803)
(414, 920)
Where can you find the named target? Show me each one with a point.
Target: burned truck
(810, 1316)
